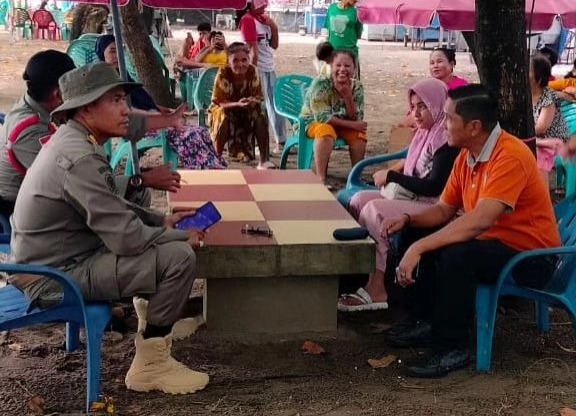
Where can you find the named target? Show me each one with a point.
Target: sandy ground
(532, 374)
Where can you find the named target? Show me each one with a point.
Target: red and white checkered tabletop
(293, 204)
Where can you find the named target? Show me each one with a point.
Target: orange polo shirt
(506, 171)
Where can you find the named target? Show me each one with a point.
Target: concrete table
(283, 284)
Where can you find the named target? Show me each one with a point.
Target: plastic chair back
(82, 51)
(43, 19)
(203, 93)
(568, 110)
(289, 94)
(4, 8)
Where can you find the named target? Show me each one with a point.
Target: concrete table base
(271, 305)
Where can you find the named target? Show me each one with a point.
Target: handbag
(398, 192)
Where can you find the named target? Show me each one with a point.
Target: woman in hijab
(408, 187)
(192, 143)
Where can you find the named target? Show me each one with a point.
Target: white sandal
(366, 302)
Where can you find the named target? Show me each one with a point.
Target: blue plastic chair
(566, 168)
(203, 93)
(289, 94)
(124, 151)
(94, 317)
(355, 183)
(560, 291)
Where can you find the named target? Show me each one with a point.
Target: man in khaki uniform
(70, 215)
(29, 121)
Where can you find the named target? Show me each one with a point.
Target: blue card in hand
(205, 217)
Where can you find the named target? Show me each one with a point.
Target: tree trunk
(149, 71)
(502, 60)
(88, 19)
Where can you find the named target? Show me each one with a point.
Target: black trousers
(445, 290)
(6, 207)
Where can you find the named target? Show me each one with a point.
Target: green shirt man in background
(344, 28)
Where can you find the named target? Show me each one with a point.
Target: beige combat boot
(181, 329)
(153, 368)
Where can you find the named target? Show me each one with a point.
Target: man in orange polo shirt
(507, 210)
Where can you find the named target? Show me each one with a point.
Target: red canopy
(458, 14)
(182, 4)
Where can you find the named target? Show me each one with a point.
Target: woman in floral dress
(236, 117)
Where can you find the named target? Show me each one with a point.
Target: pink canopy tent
(181, 4)
(459, 14)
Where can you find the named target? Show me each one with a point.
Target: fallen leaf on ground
(106, 406)
(565, 349)
(310, 347)
(36, 404)
(382, 362)
(566, 411)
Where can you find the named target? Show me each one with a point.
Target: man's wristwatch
(135, 181)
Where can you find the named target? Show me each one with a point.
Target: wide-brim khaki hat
(85, 85)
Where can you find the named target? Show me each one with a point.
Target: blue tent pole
(122, 67)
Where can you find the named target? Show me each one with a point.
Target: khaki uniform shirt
(69, 208)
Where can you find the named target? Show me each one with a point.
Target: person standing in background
(344, 28)
(260, 33)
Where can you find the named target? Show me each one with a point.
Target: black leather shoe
(419, 335)
(401, 327)
(439, 364)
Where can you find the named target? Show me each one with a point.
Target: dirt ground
(533, 374)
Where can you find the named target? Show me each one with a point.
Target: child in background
(187, 45)
(324, 51)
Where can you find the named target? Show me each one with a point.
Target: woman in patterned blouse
(236, 117)
(550, 126)
(334, 107)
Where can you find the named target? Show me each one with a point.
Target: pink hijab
(426, 142)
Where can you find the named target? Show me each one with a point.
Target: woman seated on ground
(236, 116)
(192, 143)
(441, 67)
(550, 127)
(212, 55)
(407, 188)
(334, 107)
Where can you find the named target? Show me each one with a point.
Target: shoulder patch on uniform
(106, 172)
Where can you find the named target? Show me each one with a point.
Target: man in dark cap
(29, 122)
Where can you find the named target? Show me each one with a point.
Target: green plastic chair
(289, 94)
(124, 151)
(4, 8)
(82, 51)
(90, 36)
(566, 168)
(203, 93)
